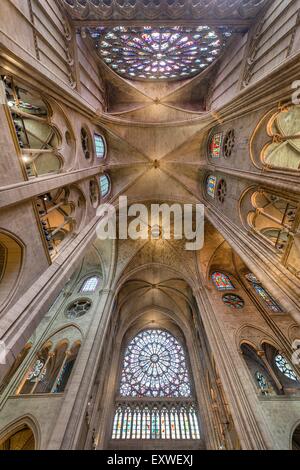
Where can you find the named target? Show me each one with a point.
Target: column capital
(260, 353)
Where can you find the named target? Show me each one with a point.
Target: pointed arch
(21, 434)
(11, 263)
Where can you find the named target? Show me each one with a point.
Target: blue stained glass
(90, 284)
(284, 367)
(104, 185)
(211, 185)
(99, 145)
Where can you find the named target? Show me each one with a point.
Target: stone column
(246, 412)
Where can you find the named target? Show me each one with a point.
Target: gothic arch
(79, 202)
(258, 369)
(274, 218)
(27, 422)
(68, 144)
(294, 332)
(11, 265)
(128, 338)
(62, 213)
(50, 366)
(20, 358)
(281, 364)
(254, 336)
(275, 140)
(295, 437)
(38, 138)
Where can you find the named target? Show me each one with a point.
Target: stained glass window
(251, 278)
(264, 295)
(151, 421)
(155, 366)
(211, 185)
(159, 53)
(233, 301)
(262, 383)
(215, 148)
(222, 281)
(90, 284)
(285, 367)
(99, 146)
(63, 377)
(38, 372)
(104, 185)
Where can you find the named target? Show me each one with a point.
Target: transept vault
(139, 343)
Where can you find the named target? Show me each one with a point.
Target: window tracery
(85, 143)
(285, 368)
(38, 139)
(159, 53)
(154, 367)
(229, 143)
(284, 150)
(222, 191)
(50, 369)
(276, 219)
(233, 301)
(156, 421)
(78, 308)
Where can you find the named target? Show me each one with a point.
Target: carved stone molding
(163, 9)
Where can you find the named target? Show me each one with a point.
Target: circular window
(228, 145)
(85, 142)
(233, 301)
(155, 366)
(78, 308)
(159, 53)
(222, 191)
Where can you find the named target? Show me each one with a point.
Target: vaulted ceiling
(156, 134)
